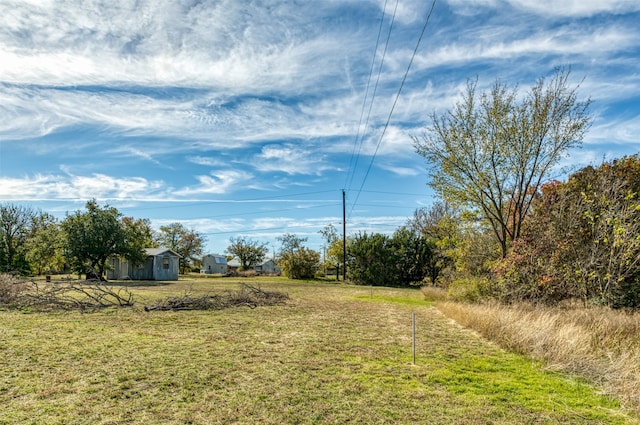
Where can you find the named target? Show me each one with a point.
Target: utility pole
(344, 237)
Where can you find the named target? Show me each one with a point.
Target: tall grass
(597, 343)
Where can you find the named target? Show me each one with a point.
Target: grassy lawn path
(332, 354)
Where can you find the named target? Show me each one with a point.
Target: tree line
(35, 242)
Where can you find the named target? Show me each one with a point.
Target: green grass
(333, 354)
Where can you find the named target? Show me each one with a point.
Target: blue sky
(249, 118)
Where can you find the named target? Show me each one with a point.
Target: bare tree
(494, 149)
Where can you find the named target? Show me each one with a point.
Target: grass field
(598, 343)
(332, 354)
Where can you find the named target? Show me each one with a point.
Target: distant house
(269, 267)
(214, 264)
(266, 267)
(233, 265)
(160, 264)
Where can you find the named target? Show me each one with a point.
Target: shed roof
(160, 251)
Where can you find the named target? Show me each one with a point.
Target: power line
(393, 193)
(276, 198)
(403, 207)
(366, 95)
(287, 227)
(375, 88)
(264, 229)
(267, 211)
(384, 130)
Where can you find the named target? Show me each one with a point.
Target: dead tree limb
(247, 296)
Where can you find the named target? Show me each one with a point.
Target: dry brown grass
(598, 343)
(433, 293)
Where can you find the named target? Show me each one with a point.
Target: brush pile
(21, 294)
(247, 296)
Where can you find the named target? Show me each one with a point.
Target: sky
(249, 118)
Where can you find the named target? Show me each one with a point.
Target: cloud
(290, 159)
(491, 43)
(205, 226)
(565, 8)
(206, 161)
(131, 151)
(40, 111)
(577, 8)
(80, 188)
(403, 171)
(163, 43)
(217, 182)
(615, 130)
(120, 67)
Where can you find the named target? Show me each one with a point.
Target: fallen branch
(74, 296)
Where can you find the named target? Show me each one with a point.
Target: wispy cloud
(217, 182)
(505, 43)
(566, 8)
(206, 161)
(290, 159)
(577, 8)
(81, 188)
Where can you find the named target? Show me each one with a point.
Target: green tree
(413, 256)
(297, 261)
(400, 260)
(492, 152)
(186, 242)
(371, 261)
(611, 267)
(138, 236)
(248, 251)
(44, 245)
(91, 237)
(439, 225)
(15, 225)
(334, 250)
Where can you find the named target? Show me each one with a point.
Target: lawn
(331, 354)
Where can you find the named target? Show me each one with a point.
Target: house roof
(160, 251)
(219, 259)
(235, 262)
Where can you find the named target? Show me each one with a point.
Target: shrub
(468, 289)
(380, 260)
(302, 263)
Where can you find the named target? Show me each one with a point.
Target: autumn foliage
(581, 240)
